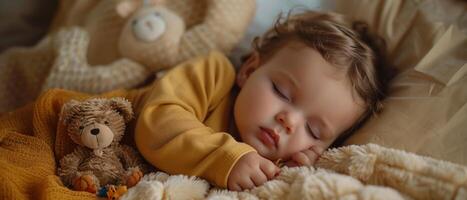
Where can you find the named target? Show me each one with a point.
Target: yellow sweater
(181, 128)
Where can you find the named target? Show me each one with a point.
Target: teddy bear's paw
(133, 176)
(85, 183)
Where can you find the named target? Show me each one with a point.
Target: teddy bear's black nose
(95, 131)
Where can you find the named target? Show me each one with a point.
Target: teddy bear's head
(96, 123)
(150, 27)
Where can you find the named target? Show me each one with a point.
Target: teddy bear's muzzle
(149, 25)
(97, 136)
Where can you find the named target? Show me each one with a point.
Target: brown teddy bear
(97, 126)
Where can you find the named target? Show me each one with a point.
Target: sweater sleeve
(170, 133)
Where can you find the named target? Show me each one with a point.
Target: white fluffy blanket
(351, 172)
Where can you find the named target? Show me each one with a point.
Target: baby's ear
(68, 110)
(251, 63)
(122, 106)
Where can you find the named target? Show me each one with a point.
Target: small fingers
(259, 178)
(301, 158)
(241, 183)
(269, 169)
(246, 183)
(235, 187)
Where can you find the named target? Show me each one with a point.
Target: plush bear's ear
(122, 106)
(154, 1)
(68, 110)
(126, 8)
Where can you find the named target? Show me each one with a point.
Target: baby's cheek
(302, 142)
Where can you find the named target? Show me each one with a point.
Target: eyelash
(312, 133)
(279, 93)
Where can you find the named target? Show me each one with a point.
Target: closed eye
(279, 92)
(314, 132)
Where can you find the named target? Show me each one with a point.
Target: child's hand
(306, 157)
(251, 170)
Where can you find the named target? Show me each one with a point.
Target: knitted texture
(72, 71)
(210, 25)
(30, 142)
(59, 61)
(224, 23)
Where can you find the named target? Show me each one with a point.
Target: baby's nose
(286, 122)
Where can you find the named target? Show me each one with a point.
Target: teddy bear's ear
(122, 106)
(68, 111)
(125, 8)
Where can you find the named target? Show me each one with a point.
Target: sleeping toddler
(310, 81)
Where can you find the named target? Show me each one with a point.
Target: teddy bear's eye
(81, 127)
(134, 22)
(106, 122)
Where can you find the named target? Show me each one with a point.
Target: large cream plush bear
(116, 30)
(98, 46)
(148, 26)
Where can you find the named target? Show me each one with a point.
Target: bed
(414, 149)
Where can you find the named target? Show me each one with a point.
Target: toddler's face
(294, 101)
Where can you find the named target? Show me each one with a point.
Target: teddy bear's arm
(71, 69)
(69, 165)
(225, 23)
(132, 163)
(129, 157)
(74, 178)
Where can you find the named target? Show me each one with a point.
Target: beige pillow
(426, 110)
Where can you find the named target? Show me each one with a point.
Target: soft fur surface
(351, 172)
(97, 125)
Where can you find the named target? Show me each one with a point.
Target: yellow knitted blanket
(31, 143)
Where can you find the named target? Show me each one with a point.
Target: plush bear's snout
(96, 136)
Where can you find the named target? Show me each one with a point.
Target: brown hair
(343, 44)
